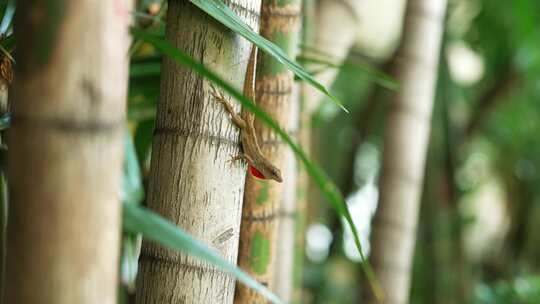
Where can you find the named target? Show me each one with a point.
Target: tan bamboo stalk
(330, 35)
(301, 210)
(295, 225)
(333, 33)
(287, 248)
(192, 181)
(405, 146)
(261, 213)
(65, 151)
(336, 27)
(330, 27)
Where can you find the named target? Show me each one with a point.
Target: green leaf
(7, 44)
(143, 141)
(129, 262)
(377, 76)
(132, 194)
(143, 88)
(222, 13)
(154, 227)
(132, 188)
(328, 188)
(5, 121)
(6, 53)
(7, 17)
(145, 69)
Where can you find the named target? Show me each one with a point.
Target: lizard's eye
(277, 175)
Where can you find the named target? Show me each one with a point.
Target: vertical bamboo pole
(405, 146)
(261, 213)
(289, 216)
(65, 151)
(330, 27)
(192, 181)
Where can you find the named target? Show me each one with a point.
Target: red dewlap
(256, 172)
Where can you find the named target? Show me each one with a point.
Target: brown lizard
(259, 166)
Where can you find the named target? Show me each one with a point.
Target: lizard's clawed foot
(218, 95)
(220, 98)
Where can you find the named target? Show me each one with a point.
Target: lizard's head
(273, 173)
(267, 171)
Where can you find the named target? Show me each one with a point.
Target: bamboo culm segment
(261, 212)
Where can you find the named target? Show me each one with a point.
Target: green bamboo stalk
(262, 212)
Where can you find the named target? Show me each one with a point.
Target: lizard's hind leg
(236, 119)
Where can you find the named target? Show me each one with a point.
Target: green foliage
(505, 35)
(144, 77)
(5, 121)
(132, 189)
(520, 291)
(8, 10)
(132, 193)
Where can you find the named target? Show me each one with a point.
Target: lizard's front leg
(236, 118)
(242, 157)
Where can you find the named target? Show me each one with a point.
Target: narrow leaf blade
(154, 227)
(8, 16)
(222, 13)
(377, 76)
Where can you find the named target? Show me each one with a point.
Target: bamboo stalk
(405, 146)
(192, 181)
(261, 213)
(65, 151)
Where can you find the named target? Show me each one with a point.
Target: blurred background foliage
(478, 236)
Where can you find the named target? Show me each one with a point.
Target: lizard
(259, 166)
